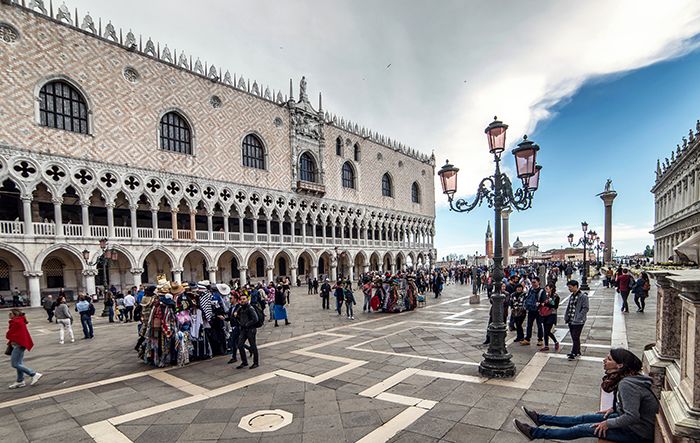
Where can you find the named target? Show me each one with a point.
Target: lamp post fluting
(586, 240)
(497, 191)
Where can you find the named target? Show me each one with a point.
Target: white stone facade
(197, 216)
(677, 197)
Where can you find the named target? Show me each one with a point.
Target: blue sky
(613, 127)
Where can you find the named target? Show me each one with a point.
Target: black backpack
(91, 309)
(260, 314)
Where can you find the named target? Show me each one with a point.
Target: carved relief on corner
(306, 127)
(8, 33)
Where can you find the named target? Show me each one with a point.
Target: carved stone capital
(178, 269)
(57, 200)
(136, 271)
(92, 272)
(243, 268)
(33, 274)
(212, 269)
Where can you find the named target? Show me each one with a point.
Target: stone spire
(489, 234)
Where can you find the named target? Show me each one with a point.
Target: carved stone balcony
(310, 188)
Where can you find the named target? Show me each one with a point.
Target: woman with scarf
(18, 341)
(630, 420)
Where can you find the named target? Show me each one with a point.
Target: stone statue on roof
(302, 89)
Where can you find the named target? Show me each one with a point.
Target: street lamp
(497, 191)
(587, 240)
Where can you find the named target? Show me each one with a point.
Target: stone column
(85, 217)
(193, 225)
(314, 271)
(34, 287)
(334, 270)
(270, 275)
(134, 225)
(210, 226)
(244, 276)
(212, 273)
(110, 220)
(351, 273)
(177, 274)
(505, 214)
(90, 281)
(173, 218)
(608, 197)
(255, 228)
(154, 222)
(58, 216)
(27, 215)
(240, 227)
(226, 218)
(293, 277)
(136, 275)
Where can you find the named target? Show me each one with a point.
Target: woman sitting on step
(630, 420)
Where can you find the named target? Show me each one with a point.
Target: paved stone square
(410, 377)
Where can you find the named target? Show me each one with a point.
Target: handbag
(8, 350)
(544, 310)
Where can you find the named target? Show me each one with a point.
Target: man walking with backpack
(250, 318)
(535, 296)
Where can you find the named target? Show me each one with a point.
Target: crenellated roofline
(179, 60)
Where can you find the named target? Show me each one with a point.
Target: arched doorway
(360, 260)
(282, 262)
(256, 265)
(374, 262)
(157, 262)
(62, 269)
(194, 267)
(228, 265)
(324, 266)
(386, 263)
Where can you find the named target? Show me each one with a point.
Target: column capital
(33, 274)
(293, 267)
(85, 203)
(57, 200)
(154, 210)
(136, 271)
(212, 269)
(134, 207)
(269, 268)
(27, 197)
(210, 213)
(110, 205)
(91, 272)
(174, 210)
(243, 268)
(178, 269)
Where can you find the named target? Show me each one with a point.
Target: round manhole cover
(265, 421)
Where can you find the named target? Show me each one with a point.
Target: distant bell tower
(489, 241)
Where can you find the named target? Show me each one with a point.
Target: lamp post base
(500, 368)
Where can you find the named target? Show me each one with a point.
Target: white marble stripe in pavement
(389, 429)
(105, 432)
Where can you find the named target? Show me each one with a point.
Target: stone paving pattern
(328, 411)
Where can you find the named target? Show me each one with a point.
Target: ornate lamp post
(498, 192)
(108, 254)
(587, 240)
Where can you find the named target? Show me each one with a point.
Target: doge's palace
(121, 159)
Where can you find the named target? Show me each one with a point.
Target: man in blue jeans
(86, 311)
(533, 299)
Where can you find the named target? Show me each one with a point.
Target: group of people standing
(625, 283)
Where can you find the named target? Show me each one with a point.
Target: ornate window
(338, 146)
(387, 187)
(4, 276)
(253, 153)
(307, 168)
(53, 270)
(357, 152)
(175, 133)
(348, 176)
(415, 192)
(61, 106)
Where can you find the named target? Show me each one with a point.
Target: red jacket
(18, 333)
(625, 281)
